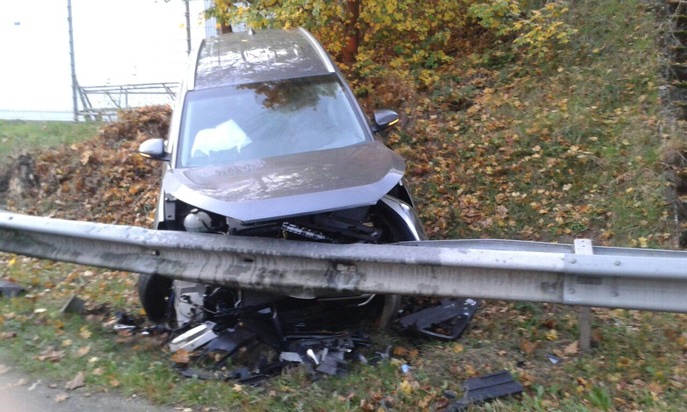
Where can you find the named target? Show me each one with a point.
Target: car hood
(291, 185)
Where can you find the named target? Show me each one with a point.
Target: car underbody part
(9, 289)
(263, 333)
(269, 336)
(73, 305)
(193, 338)
(446, 320)
(480, 389)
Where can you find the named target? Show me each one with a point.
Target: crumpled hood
(291, 185)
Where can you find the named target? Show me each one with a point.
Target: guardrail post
(584, 247)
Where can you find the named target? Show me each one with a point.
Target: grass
(566, 148)
(19, 135)
(637, 363)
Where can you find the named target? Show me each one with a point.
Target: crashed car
(267, 140)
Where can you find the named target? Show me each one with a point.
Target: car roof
(259, 56)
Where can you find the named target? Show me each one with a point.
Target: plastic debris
(553, 359)
(194, 338)
(446, 320)
(484, 388)
(9, 289)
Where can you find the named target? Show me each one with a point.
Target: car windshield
(252, 121)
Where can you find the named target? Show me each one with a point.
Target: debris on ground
(251, 343)
(446, 320)
(480, 389)
(10, 289)
(73, 305)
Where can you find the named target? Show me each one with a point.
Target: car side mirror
(383, 119)
(154, 149)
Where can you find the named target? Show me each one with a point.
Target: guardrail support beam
(584, 320)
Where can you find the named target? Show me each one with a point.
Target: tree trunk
(351, 32)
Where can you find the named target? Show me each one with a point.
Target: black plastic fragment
(230, 340)
(485, 388)
(9, 289)
(445, 321)
(308, 334)
(333, 364)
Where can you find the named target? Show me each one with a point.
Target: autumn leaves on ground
(542, 144)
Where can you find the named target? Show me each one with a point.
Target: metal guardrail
(578, 274)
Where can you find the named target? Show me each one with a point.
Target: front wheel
(154, 292)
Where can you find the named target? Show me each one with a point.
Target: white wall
(116, 42)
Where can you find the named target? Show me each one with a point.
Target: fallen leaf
(551, 335)
(400, 351)
(549, 323)
(20, 382)
(8, 335)
(654, 387)
(406, 387)
(470, 370)
(528, 347)
(527, 379)
(77, 382)
(571, 349)
(367, 406)
(97, 371)
(424, 403)
(51, 355)
(85, 157)
(181, 357)
(61, 397)
(83, 351)
(114, 383)
(583, 382)
(84, 332)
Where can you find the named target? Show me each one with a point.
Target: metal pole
(188, 27)
(584, 319)
(75, 84)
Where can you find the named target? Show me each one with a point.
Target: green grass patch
(19, 135)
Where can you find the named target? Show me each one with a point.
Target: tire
(398, 232)
(154, 292)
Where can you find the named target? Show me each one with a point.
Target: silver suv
(268, 140)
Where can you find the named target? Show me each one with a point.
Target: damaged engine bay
(248, 335)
